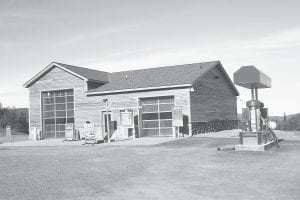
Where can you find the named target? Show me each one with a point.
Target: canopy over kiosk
(257, 136)
(250, 77)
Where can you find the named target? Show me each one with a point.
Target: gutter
(139, 89)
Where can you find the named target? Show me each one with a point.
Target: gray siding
(213, 99)
(58, 79)
(130, 100)
(89, 108)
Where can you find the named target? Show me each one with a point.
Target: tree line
(17, 118)
(291, 123)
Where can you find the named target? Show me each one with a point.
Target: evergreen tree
(22, 123)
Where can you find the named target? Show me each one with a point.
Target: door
(157, 116)
(104, 121)
(57, 111)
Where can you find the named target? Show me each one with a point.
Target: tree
(16, 118)
(293, 123)
(22, 123)
(284, 117)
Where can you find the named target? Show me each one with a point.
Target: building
(139, 102)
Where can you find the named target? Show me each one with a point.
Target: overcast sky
(125, 35)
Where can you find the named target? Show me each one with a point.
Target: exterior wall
(213, 99)
(119, 102)
(58, 79)
(90, 108)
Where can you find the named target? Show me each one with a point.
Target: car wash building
(137, 103)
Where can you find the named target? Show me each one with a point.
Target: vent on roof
(126, 76)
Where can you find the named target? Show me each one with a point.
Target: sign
(127, 118)
(69, 131)
(8, 131)
(177, 117)
(89, 129)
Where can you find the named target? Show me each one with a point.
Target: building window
(157, 116)
(57, 111)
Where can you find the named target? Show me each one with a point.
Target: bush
(16, 118)
(292, 124)
(213, 126)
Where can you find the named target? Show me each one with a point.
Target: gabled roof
(177, 76)
(81, 72)
(161, 77)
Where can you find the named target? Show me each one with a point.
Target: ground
(189, 168)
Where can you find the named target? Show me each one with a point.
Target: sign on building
(89, 129)
(127, 118)
(177, 117)
(70, 131)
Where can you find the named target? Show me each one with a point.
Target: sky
(134, 34)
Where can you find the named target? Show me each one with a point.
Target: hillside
(292, 122)
(274, 118)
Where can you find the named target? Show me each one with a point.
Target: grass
(181, 169)
(16, 136)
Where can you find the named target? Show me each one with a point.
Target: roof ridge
(216, 61)
(59, 63)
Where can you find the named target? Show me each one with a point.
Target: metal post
(256, 94)
(252, 92)
(138, 119)
(107, 123)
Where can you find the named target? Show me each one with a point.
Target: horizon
(116, 36)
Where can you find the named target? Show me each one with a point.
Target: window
(157, 115)
(150, 116)
(57, 110)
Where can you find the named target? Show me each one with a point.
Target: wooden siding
(213, 98)
(58, 79)
(89, 108)
(130, 100)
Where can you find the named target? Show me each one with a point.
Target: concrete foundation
(255, 141)
(262, 147)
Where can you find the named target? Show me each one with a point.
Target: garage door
(157, 116)
(57, 111)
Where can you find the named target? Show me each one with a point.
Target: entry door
(157, 116)
(104, 121)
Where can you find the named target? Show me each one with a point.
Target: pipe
(252, 93)
(107, 123)
(256, 94)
